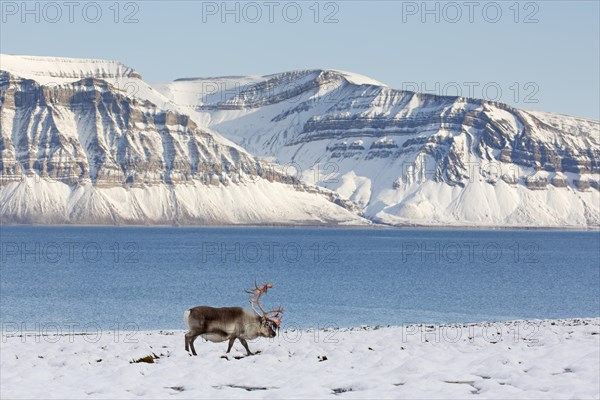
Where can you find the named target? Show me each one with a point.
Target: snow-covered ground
(520, 359)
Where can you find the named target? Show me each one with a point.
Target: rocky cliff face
(407, 157)
(77, 148)
(89, 132)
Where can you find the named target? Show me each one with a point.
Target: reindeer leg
(192, 339)
(230, 345)
(245, 344)
(189, 338)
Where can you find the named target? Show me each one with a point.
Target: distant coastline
(373, 226)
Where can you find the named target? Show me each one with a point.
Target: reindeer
(230, 323)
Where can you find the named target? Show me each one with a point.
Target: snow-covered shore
(520, 359)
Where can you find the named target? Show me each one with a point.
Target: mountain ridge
(86, 151)
(324, 118)
(396, 157)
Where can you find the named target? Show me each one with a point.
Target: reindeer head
(269, 320)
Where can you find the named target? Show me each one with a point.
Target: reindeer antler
(271, 315)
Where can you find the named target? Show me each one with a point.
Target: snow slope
(409, 158)
(511, 360)
(42, 201)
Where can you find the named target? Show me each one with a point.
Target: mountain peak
(46, 70)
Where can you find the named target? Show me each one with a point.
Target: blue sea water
(147, 277)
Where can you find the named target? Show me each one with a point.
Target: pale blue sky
(554, 61)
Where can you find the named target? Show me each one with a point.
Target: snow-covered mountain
(405, 157)
(89, 142)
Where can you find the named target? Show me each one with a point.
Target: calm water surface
(324, 277)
